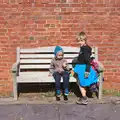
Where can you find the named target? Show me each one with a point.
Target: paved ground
(37, 107)
(60, 112)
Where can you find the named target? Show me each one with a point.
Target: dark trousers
(57, 76)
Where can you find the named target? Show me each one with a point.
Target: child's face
(81, 42)
(59, 55)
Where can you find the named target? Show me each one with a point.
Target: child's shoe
(82, 101)
(58, 93)
(66, 93)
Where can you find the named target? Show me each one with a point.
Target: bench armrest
(15, 68)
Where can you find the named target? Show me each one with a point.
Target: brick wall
(35, 23)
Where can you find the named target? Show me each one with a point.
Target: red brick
(67, 25)
(63, 5)
(52, 21)
(2, 22)
(39, 5)
(51, 5)
(72, 1)
(1, 18)
(4, 5)
(40, 22)
(40, 29)
(53, 29)
(101, 5)
(40, 26)
(46, 1)
(4, 38)
(65, 37)
(65, 29)
(57, 1)
(31, 26)
(2, 34)
(75, 5)
(91, 1)
(117, 1)
(3, 30)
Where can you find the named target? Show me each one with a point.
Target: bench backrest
(38, 59)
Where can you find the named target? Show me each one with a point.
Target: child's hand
(72, 72)
(64, 64)
(49, 74)
(60, 70)
(86, 74)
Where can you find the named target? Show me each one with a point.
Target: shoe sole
(80, 103)
(58, 95)
(66, 94)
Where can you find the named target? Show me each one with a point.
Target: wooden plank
(18, 59)
(49, 49)
(40, 60)
(45, 55)
(36, 73)
(96, 53)
(93, 49)
(18, 54)
(45, 66)
(15, 86)
(100, 85)
(39, 79)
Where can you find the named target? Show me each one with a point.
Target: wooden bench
(32, 65)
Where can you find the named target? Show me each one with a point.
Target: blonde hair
(82, 37)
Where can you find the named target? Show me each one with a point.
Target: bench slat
(40, 60)
(41, 73)
(39, 79)
(51, 49)
(34, 77)
(48, 49)
(45, 66)
(43, 56)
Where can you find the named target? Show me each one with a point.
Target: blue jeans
(57, 76)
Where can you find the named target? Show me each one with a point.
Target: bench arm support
(15, 68)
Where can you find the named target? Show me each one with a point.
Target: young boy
(59, 68)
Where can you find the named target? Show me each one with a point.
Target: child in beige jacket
(59, 68)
